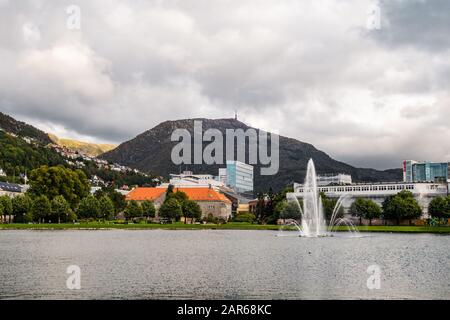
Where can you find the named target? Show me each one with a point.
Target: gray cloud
(308, 70)
(418, 23)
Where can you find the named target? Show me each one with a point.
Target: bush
(245, 217)
(211, 219)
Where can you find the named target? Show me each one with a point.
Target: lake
(221, 264)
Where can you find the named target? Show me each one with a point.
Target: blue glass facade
(425, 171)
(239, 176)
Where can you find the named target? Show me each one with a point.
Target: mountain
(151, 152)
(22, 129)
(87, 148)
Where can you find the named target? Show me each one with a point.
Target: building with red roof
(210, 201)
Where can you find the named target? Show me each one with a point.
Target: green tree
(169, 190)
(133, 210)
(180, 196)
(358, 209)
(7, 207)
(59, 181)
(279, 199)
(269, 207)
(60, 209)
(107, 209)
(365, 208)
(191, 210)
(401, 206)
(89, 208)
(171, 209)
(21, 207)
(117, 198)
(329, 206)
(260, 206)
(148, 208)
(40, 209)
(291, 210)
(373, 211)
(439, 207)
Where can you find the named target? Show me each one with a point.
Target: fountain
(313, 223)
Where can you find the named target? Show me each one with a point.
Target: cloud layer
(308, 69)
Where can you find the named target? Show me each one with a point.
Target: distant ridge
(87, 148)
(151, 151)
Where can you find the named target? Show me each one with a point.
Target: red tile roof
(203, 194)
(195, 194)
(142, 194)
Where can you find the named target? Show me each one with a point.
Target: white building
(188, 179)
(378, 192)
(334, 179)
(222, 177)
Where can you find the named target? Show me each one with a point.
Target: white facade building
(189, 180)
(378, 192)
(334, 179)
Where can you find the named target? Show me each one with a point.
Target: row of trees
(135, 210)
(41, 209)
(59, 194)
(401, 206)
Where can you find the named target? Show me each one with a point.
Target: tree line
(270, 207)
(58, 194)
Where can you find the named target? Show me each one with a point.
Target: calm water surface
(220, 264)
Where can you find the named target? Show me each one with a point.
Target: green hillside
(18, 156)
(22, 129)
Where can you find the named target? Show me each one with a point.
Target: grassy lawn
(137, 226)
(228, 226)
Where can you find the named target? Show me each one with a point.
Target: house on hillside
(11, 189)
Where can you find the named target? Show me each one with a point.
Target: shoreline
(227, 226)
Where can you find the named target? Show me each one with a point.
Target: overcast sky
(310, 69)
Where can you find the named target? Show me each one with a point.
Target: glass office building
(414, 171)
(239, 176)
